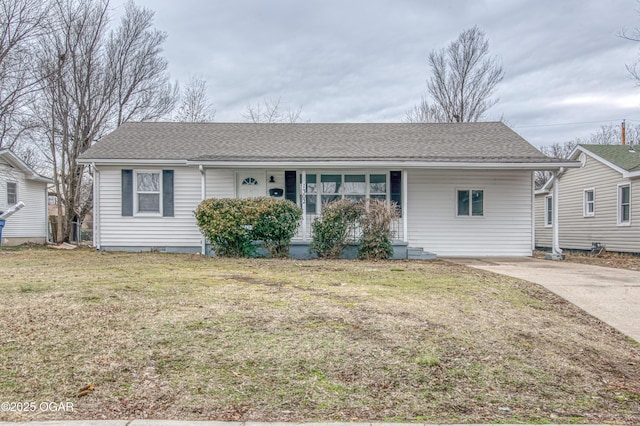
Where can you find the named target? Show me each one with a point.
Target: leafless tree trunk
(269, 112)
(21, 22)
(195, 106)
(95, 80)
(464, 77)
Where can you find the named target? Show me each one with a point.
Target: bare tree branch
(269, 112)
(463, 79)
(195, 106)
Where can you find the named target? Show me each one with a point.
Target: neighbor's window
(624, 204)
(548, 211)
(12, 193)
(470, 202)
(589, 202)
(148, 192)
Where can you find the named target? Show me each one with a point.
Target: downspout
(556, 251)
(96, 206)
(46, 215)
(203, 194)
(533, 212)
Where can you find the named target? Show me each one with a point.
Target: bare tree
(464, 77)
(94, 80)
(21, 21)
(269, 112)
(142, 89)
(195, 106)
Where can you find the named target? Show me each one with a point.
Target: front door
(251, 184)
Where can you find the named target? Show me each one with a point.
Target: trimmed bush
(226, 224)
(336, 229)
(275, 223)
(375, 223)
(232, 225)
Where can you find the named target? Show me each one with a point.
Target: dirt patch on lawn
(186, 337)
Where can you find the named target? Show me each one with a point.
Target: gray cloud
(365, 61)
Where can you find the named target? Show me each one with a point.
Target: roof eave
(387, 164)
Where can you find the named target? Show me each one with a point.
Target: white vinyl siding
(579, 232)
(30, 223)
(220, 183)
(504, 230)
(153, 231)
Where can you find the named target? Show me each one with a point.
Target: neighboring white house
(18, 182)
(598, 202)
(464, 189)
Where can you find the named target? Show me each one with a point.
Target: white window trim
(17, 193)
(619, 206)
(135, 194)
(470, 215)
(548, 223)
(585, 212)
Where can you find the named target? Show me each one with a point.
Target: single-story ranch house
(463, 189)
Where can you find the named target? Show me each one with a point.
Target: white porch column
(203, 194)
(303, 203)
(405, 207)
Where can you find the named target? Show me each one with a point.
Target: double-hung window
(12, 193)
(147, 192)
(548, 210)
(589, 202)
(470, 202)
(624, 204)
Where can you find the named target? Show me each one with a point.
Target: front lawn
(186, 337)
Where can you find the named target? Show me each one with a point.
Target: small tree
(335, 230)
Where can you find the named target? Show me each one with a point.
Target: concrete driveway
(609, 294)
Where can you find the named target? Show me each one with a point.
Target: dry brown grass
(185, 337)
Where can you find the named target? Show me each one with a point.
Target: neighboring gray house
(464, 189)
(18, 182)
(598, 202)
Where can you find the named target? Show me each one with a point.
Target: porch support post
(405, 207)
(203, 194)
(303, 203)
(556, 251)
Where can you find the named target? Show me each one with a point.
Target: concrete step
(418, 253)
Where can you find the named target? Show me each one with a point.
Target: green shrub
(275, 223)
(375, 224)
(335, 230)
(226, 223)
(232, 225)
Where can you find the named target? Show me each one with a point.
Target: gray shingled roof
(451, 142)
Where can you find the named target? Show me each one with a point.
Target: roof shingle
(439, 142)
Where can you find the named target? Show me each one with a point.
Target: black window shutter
(395, 179)
(290, 186)
(167, 193)
(127, 192)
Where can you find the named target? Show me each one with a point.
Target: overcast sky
(366, 60)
